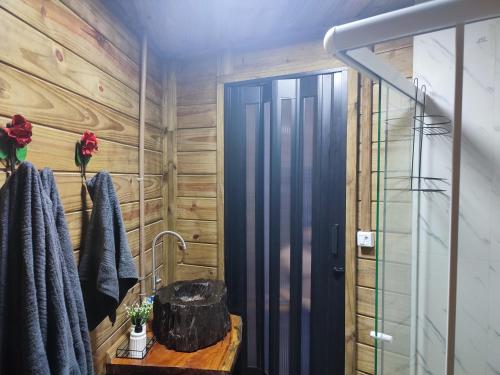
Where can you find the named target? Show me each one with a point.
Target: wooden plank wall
(69, 66)
(196, 168)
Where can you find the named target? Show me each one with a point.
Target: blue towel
(38, 300)
(107, 269)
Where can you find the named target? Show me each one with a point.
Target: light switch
(366, 239)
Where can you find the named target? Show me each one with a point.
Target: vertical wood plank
(164, 182)
(366, 152)
(220, 180)
(351, 222)
(171, 98)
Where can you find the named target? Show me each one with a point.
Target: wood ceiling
(180, 28)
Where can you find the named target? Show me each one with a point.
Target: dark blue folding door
(284, 190)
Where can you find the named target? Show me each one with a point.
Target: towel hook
(85, 148)
(14, 140)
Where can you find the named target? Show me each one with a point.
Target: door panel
(284, 222)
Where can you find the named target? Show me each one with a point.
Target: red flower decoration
(19, 130)
(88, 144)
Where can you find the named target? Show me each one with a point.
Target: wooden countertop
(217, 359)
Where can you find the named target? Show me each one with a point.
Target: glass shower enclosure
(414, 173)
(411, 273)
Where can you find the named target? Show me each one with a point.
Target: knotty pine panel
(200, 254)
(365, 301)
(107, 24)
(55, 149)
(365, 358)
(75, 198)
(201, 139)
(57, 21)
(202, 162)
(190, 272)
(150, 231)
(196, 116)
(197, 186)
(31, 51)
(190, 70)
(197, 208)
(50, 105)
(113, 157)
(291, 59)
(196, 92)
(198, 230)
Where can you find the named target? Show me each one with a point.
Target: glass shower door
(396, 284)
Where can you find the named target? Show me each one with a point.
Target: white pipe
(142, 116)
(455, 200)
(348, 42)
(414, 20)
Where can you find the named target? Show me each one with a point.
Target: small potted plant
(138, 314)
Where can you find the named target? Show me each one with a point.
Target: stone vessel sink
(190, 315)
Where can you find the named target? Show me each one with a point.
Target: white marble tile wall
(478, 313)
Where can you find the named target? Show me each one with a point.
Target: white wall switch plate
(366, 239)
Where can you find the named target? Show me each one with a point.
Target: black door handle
(335, 240)
(338, 269)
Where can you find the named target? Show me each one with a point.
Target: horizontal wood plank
(196, 92)
(202, 139)
(58, 22)
(365, 358)
(126, 187)
(290, 59)
(200, 254)
(197, 208)
(150, 231)
(93, 12)
(197, 230)
(203, 162)
(190, 272)
(197, 186)
(366, 273)
(113, 157)
(50, 105)
(33, 52)
(365, 301)
(196, 116)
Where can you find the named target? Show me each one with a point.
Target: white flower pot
(144, 327)
(137, 343)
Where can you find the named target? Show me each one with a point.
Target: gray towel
(36, 331)
(107, 269)
(72, 290)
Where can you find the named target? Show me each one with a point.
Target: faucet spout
(154, 279)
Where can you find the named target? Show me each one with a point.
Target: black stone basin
(190, 315)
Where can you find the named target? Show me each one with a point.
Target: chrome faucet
(154, 279)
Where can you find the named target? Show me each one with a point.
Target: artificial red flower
(88, 144)
(19, 130)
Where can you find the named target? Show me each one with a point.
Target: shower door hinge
(381, 336)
